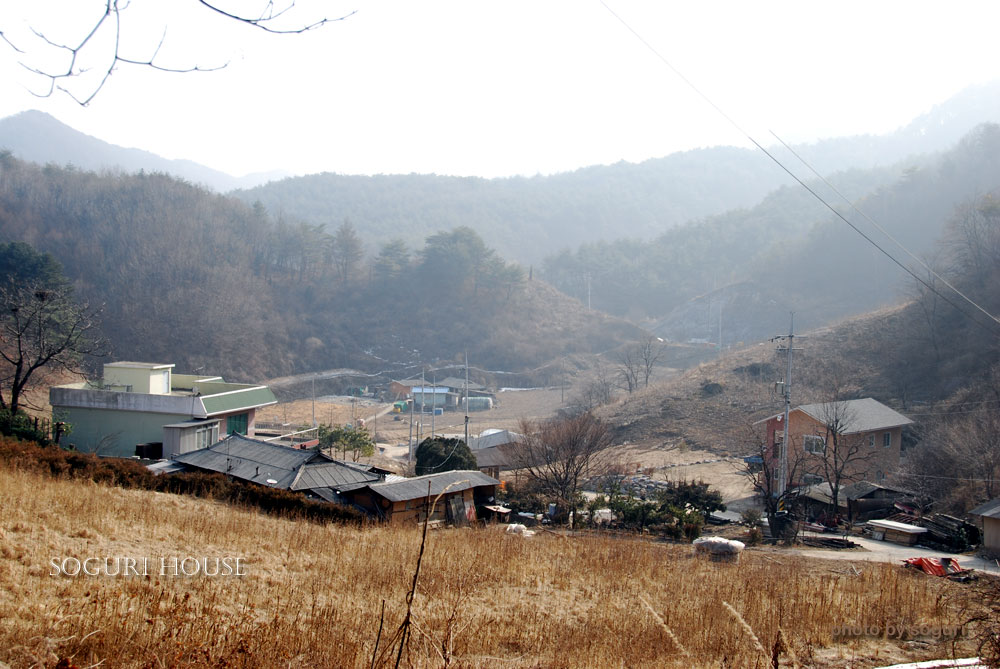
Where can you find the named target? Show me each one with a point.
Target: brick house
(867, 433)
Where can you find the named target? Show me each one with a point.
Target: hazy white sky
(480, 87)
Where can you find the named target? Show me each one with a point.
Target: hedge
(56, 462)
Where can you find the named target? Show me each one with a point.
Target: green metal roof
(246, 397)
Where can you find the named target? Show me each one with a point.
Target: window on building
(887, 439)
(814, 444)
(206, 436)
(237, 423)
(810, 479)
(879, 476)
(871, 440)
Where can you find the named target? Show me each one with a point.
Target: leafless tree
(958, 459)
(101, 37)
(41, 328)
(637, 361)
(629, 368)
(651, 351)
(560, 455)
(765, 475)
(841, 454)
(598, 391)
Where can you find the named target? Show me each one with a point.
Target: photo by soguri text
(899, 631)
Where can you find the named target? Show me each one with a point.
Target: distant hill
(527, 219)
(39, 138)
(934, 358)
(201, 280)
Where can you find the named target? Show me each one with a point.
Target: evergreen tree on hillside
(438, 454)
(41, 326)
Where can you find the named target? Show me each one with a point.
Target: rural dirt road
(884, 551)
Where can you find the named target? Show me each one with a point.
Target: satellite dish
(271, 482)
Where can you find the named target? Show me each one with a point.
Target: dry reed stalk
(788, 648)
(665, 627)
(746, 628)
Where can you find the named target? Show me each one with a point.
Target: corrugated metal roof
(856, 416)
(989, 510)
(416, 488)
(251, 460)
(242, 398)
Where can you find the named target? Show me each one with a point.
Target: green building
(146, 405)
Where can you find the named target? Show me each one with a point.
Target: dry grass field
(312, 595)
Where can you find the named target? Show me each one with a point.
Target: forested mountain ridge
(522, 217)
(527, 219)
(749, 268)
(38, 137)
(203, 281)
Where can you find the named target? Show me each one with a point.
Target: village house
(989, 513)
(867, 429)
(408, 500)
(495, 451)
(311, 472)
(141, 408)
(861, 500)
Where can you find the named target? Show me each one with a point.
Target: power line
(994, 320)
(885, 232)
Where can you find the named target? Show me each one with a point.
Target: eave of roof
(990, 509)
(417, 488)
(242, 399)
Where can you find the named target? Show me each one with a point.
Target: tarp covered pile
(935, 566)
(719, 549)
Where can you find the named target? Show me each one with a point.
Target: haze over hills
(525, 219)
(40, 138)
(298, 296)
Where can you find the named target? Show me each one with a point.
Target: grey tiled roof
(416, 488)
(251, 460)
(293, 469)
(336, 475)
(857, 415)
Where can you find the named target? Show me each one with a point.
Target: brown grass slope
(313, 594)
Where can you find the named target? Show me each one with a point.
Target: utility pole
(787, 393)
(409, 441)
(423, 400)
(466, 398)
(720, 325)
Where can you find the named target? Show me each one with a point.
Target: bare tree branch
(112, 11)
(271, 14)
(561, 455)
